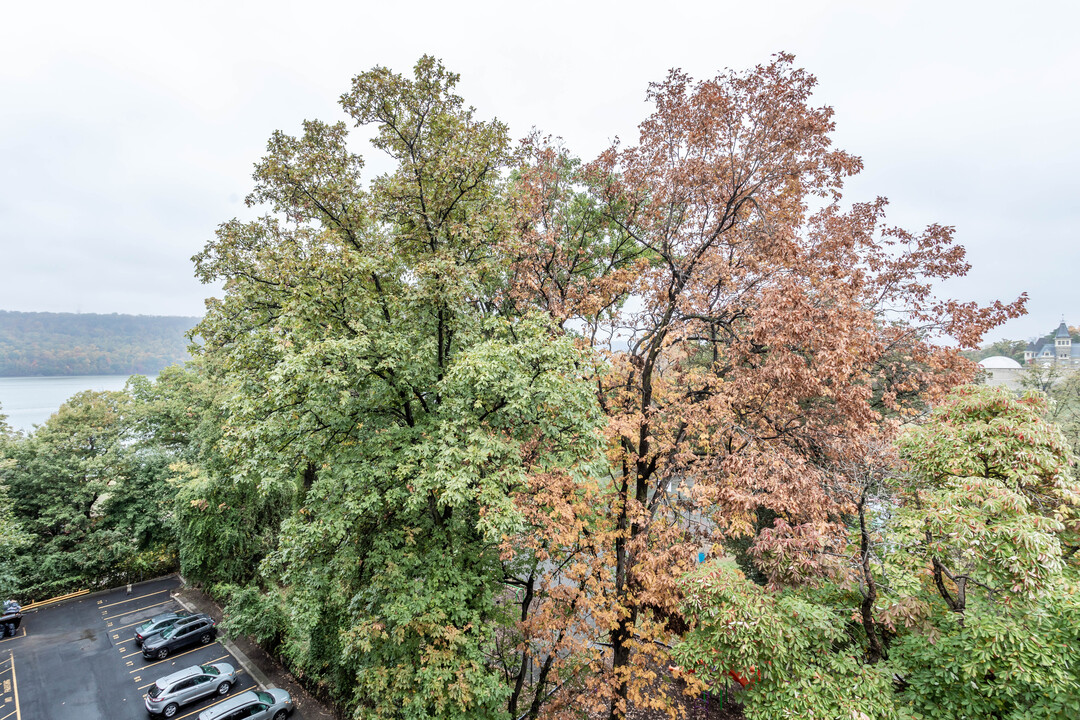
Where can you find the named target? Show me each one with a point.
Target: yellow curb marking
(16, 637)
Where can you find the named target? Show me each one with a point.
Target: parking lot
(77, 660)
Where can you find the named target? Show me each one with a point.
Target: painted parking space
(121, 617)
(9, 688)
(78, 660)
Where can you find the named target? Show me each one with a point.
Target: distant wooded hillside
(87, 344)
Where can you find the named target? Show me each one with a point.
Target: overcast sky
(128, 130)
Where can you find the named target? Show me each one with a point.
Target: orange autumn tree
(747, 323)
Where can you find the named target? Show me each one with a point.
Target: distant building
(1058, 354)
(1001, 370)
(1057, 351)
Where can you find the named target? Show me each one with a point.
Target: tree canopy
(457, 435)
(536, 387)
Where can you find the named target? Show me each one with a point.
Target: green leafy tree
(95, 503)
(12, 536)
(963, 562)
(376, 384)
(59, 486)
(224, 527)
(793, 647)
(1061, 385)
(1007, 348)
(987, 448)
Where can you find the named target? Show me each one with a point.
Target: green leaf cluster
(976, 580)
(90, 500)
(380, 404)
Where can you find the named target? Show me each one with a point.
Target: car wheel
(280, 715)
(163, 653)
(169, 710)
(206, 637)
(223, 688)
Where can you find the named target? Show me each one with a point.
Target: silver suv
(184, 686)
(273, 704)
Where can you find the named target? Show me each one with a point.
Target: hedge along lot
(78, 660)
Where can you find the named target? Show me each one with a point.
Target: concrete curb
(245, 662)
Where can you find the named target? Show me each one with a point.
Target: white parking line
(140, 597)
(173, 657)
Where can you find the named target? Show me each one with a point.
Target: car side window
(257, 709)
(200, 680)
(183, 685)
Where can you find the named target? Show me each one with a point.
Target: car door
(201, 686)
(198, 630)
(184, 637)
(182, 691)
(258, 711)
(177, 628)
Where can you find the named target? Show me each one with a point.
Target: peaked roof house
(1058, 351)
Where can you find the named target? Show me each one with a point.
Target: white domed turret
(1001, 370)
(1000, 362)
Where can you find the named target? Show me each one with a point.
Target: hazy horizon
(129, 132)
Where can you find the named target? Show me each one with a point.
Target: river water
(29, 401)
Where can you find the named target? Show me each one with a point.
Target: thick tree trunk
(619, 661)
(539, 698)
(875, 650)
(523, 669)
(620, 656)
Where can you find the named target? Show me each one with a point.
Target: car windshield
(170, 632)
(143, 627)
(155, 690)
(266, 697)
(209, 669)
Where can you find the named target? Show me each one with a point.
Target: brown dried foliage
(750, 327)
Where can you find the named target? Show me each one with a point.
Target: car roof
(193, 618)
(236, 701)
(167, 616)
(179, 675)
(192, 671)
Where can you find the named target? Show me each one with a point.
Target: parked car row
(164, 634)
